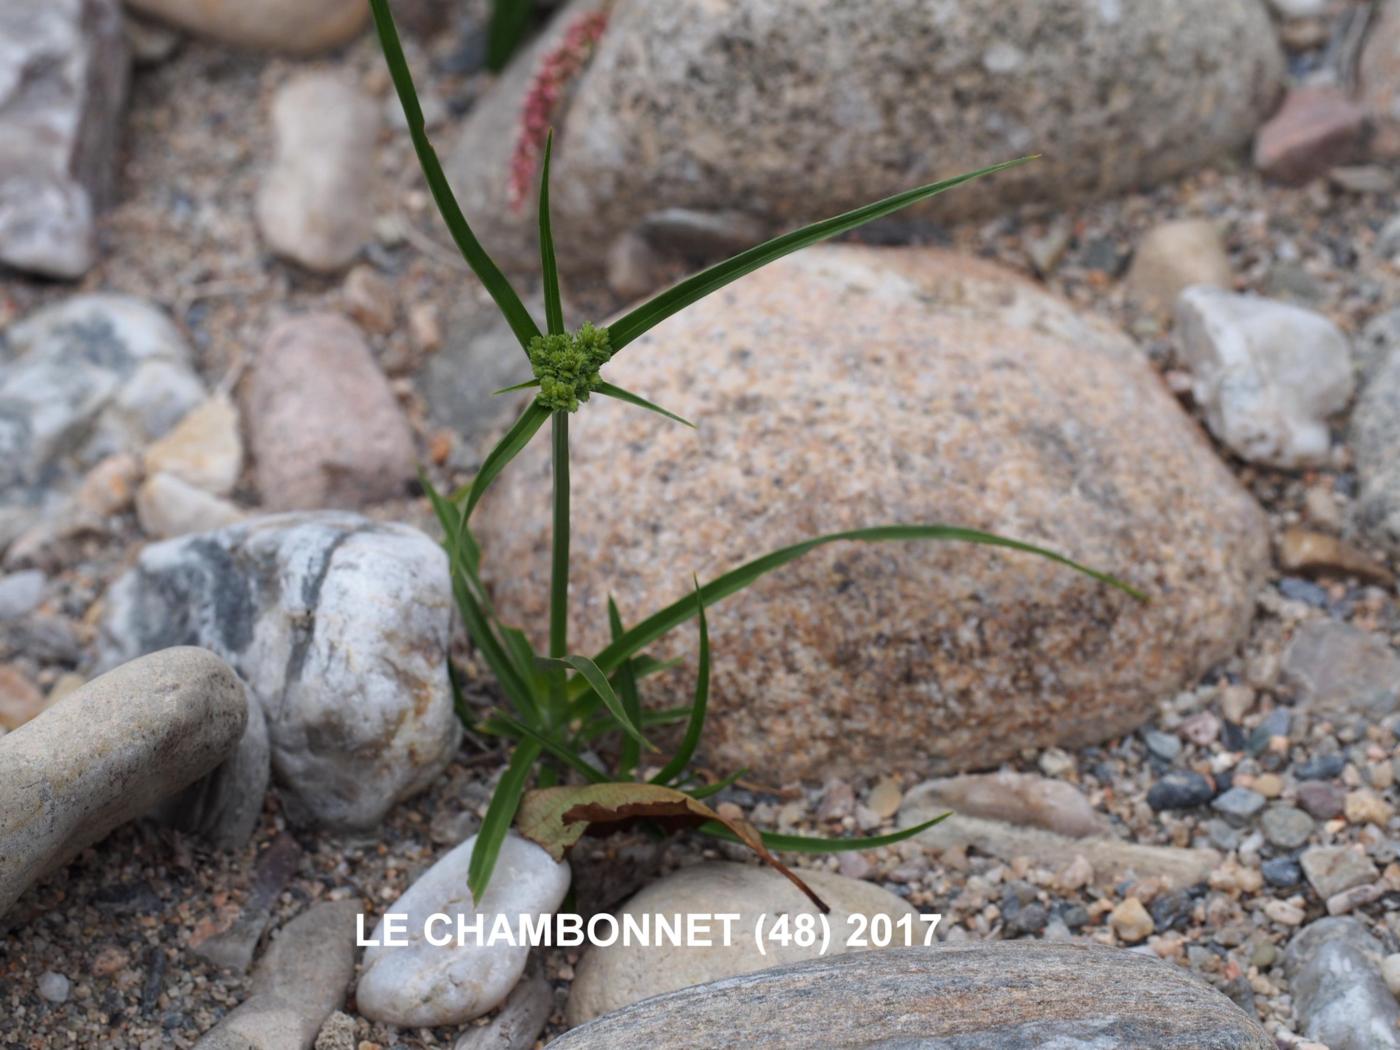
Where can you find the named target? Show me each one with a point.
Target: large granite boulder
(847, 387)
(689, 110)
(1012, 995)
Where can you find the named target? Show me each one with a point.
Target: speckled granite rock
(296, 26)
(340, 627)
(852, 386)
(1375, 435)
(107, 753)
(63, 80)
(1012, 995)
(926, 91)
(1337, 669)
(83, 379)
(613, 976)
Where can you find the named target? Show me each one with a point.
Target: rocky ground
(1284, 758)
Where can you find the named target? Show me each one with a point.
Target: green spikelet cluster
(567, 366)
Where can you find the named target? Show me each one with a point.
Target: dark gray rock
(340, 627)
(1180, 789)
(63, 80)
(1340, 997)
(224, 807)
(1013, 995)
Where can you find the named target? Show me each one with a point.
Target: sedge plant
(566, 707)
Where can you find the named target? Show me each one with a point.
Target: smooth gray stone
(107, 753)
(1339, 994)
(994, 996)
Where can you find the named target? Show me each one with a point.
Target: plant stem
(559, 565)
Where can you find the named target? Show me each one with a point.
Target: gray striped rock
(80, 380)
(339, 625)
(1011, 995)
(107, 753)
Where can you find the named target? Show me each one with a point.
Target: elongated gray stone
(1012, 995)
(107, 753)
(299, 982)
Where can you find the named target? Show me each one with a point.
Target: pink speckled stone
(850, 386)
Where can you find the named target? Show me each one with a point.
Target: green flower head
(567, 366)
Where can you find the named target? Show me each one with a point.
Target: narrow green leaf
(480, 624)
(631, 699)
(599, 683)
(499, 815)
(510, 21)
(709, 790)
(549, 269)
(522, 655)
(640, 635)
(527, 385)
(609, 390)
(503, 725)
(694, 288)
(681, 759)
(510, 446)
(605, 724)
(816, 844)
(519, 319)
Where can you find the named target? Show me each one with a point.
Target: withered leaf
(557, 817)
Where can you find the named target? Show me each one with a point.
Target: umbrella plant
(565, 707)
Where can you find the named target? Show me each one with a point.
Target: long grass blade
(681, 759)
(485, 268)
(817, 844)
(549, 269)
(640, 635)
(628, 693)
(510, 446)
(526, 385)
(609, 390)
(499, 815)
(504, 725)
(598, 682)
(692, 289)
(708, 790)
(510, 21)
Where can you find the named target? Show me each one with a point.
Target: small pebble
(1131, 921)
(1238, 804)
(1282, 872)
(54, 987)
(1180, 789)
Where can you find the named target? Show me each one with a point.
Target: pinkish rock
(324, 427)
(1317, 128)
(845, 387)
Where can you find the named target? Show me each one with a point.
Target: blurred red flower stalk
(556, 72)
